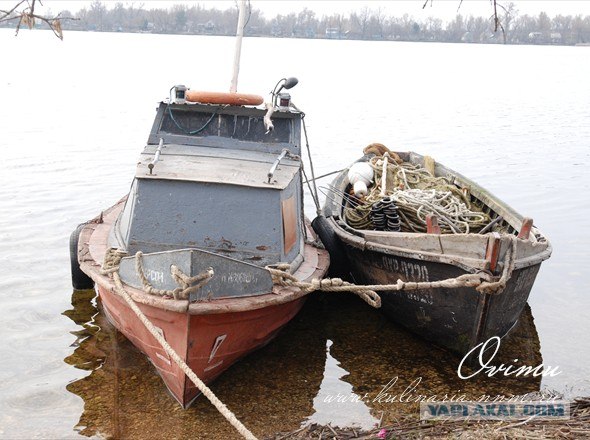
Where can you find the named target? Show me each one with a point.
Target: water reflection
(269, 391)
(335, 345)
(336, 402)
(394, 368)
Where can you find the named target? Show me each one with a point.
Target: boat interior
(470, 247)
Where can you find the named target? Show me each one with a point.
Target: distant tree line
(365, 24)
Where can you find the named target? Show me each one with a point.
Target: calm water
(74, 118)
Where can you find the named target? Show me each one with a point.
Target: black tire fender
(80, 280)
(339, 265)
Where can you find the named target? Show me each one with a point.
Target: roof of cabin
(215, 165)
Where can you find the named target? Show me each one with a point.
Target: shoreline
(297, 37)
(410, 426)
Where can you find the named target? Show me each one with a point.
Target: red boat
(217, 191)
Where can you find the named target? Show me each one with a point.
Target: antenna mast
(239, 34)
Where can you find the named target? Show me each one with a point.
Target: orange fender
(223, 98)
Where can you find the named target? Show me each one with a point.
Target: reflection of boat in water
(384, 353)
(420, 222)
(124, 399)
(336, 404)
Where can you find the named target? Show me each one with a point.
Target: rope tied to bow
(483, 282)
(186, 284)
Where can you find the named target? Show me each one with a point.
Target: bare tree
(510, 13)
(361, 20)
(433, 28)
(338, 22)
(24, 13)
(495, 18)
(456, 29)
(362, 24)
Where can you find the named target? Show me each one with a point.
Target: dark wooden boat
(455, 318)
(207, 193)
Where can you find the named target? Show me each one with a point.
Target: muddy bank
(410, 427)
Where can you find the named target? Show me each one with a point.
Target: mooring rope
(204, 389)
(185, 283)
(281, 276)
(111, 266)
(483, 282)
(493, 287)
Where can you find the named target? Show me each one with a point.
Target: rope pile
(416, 193)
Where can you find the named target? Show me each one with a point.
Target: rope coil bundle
(416, 193)
(384, 215)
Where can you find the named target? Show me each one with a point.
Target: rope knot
(315, 284)
(330, 282)
(111, 261)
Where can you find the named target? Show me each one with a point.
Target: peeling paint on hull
(448, 317)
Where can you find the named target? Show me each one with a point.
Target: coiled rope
(416, 193)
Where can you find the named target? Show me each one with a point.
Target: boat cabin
(212, 177)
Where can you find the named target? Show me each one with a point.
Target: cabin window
(289, 210)
(242, 127)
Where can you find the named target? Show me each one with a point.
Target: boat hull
(209, 344)
(209, 335)
(456, 319)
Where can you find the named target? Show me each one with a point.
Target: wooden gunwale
(357, 238)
